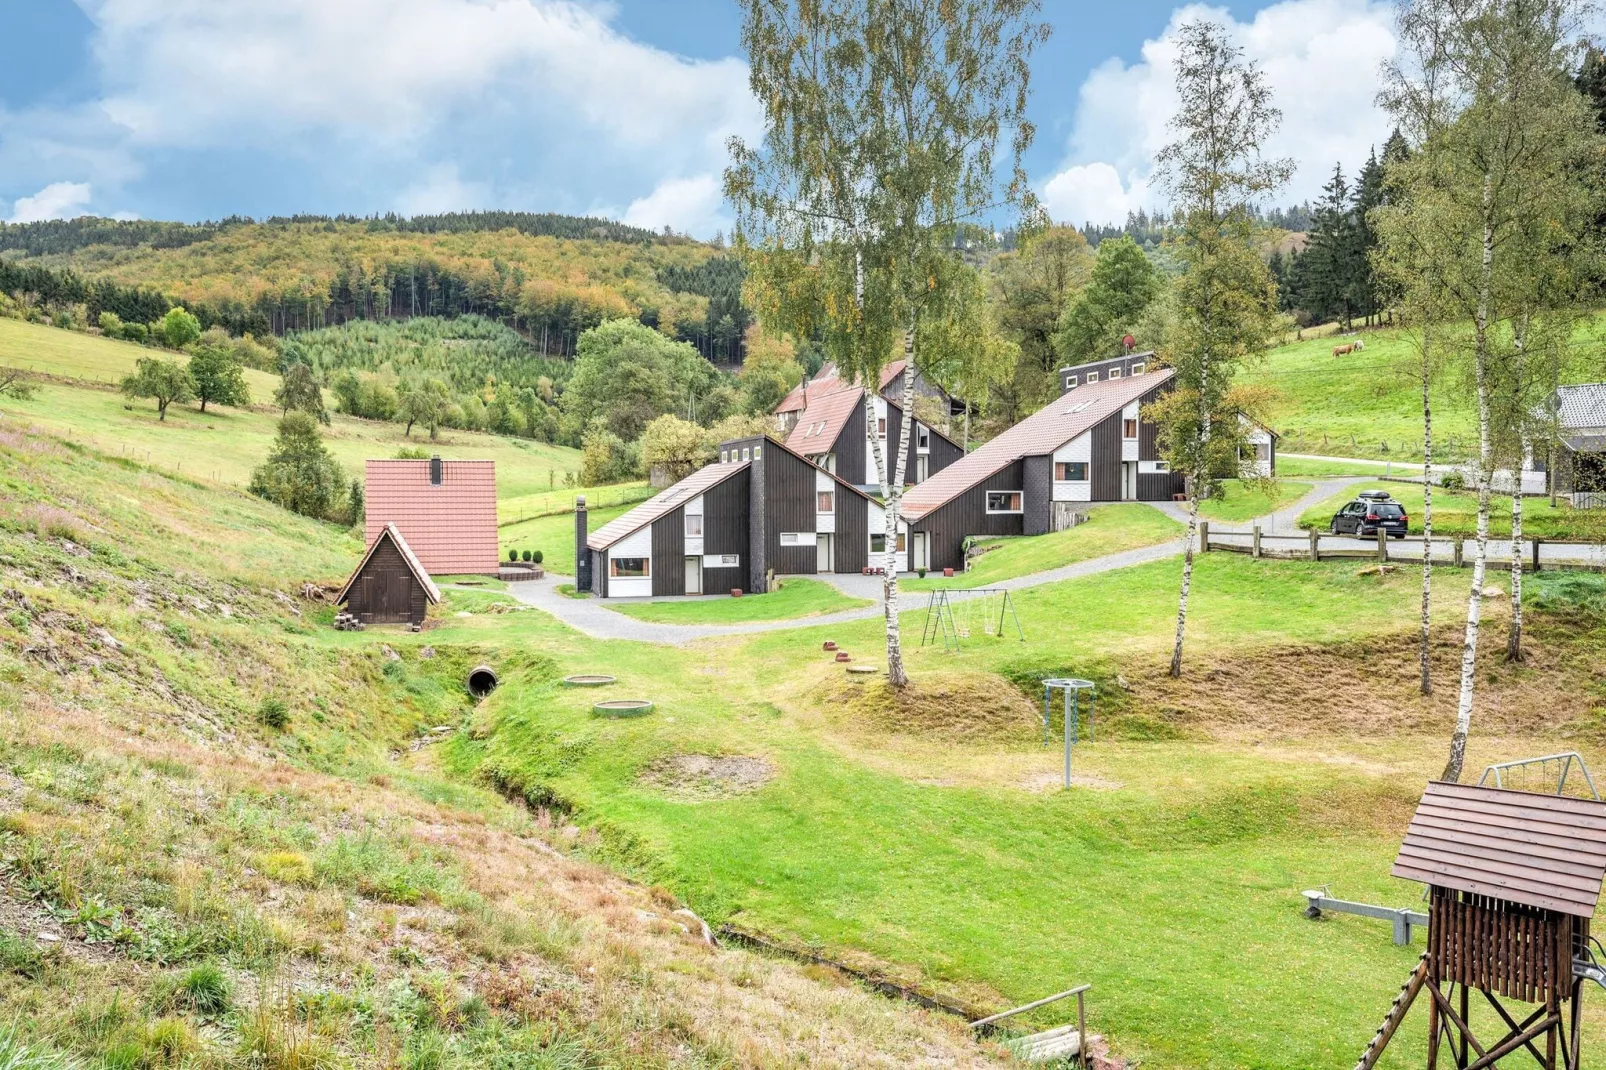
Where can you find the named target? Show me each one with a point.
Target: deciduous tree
(299, 391)
(1122, 285)
(300, 474)
(1225, 300)
(218, 377)
(164, 381)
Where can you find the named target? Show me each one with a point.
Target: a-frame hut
(389, 586)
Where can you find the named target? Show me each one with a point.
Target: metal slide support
(1404, 919)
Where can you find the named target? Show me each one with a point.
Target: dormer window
(1137, 369)
(1115, 373)
(1092, 377)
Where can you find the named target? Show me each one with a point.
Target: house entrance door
(824, 561)
(694, 575)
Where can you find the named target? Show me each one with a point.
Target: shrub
(204, 989)
(536, 557)
(526, 555)
(512, 555)
(274, 713)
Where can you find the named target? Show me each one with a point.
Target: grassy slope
(912, 837)
(554, 536)
(796, 598)
(1456, 513)
(1109, 529)
(920, 845)
(1300, 466)
(225, 444)
(1352, 405)
(1244, 501)
(189, 852)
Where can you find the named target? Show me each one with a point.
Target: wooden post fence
(1315, 553)
(1254, 550)
(1204, 536)
(1536, 543)
(1382, 544)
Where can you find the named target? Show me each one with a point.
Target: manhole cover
(623, 707)
(588, 680)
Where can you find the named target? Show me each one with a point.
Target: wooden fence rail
(1456, 551)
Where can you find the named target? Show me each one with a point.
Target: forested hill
(549, 276)
(56, 236)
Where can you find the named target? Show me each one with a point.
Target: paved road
(1532, 482)
(590, 616)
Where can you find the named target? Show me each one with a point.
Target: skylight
(1078, 407)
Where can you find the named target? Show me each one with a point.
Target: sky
(201, 109)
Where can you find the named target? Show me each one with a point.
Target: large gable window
(626, 568)
(1070, 471)
(1004, 501)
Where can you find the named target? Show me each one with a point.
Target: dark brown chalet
(832, 432)
(760, 508)
(1092, 444)
(389, 586)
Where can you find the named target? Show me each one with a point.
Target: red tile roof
(451, 527)
(819, 425)
(432, 592)
(1045, 431)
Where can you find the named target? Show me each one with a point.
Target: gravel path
(590, 615)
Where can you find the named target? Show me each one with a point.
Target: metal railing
(1563, 761)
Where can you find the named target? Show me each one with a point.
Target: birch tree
(1226, 302)
(1506, 155)
(884, 120)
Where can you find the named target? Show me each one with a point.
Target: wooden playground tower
(1513, 879)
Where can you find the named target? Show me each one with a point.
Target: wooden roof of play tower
(1544, 851)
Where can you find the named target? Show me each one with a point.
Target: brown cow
(1341, 351)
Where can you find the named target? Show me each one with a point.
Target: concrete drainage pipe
(482, 681)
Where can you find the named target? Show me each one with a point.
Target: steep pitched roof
(825, 381)
(891, 371)
(1581, 405)
(1045, 431)
(1546, 851)
(391, 532)
(451, 526)
(663, 503)
(820, 424)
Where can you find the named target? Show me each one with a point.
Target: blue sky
(194, 109)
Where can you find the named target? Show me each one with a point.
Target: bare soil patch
(706, 776)
(1043, 782)
(1370, 687)
(954, 708)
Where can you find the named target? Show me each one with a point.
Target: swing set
(980, 610)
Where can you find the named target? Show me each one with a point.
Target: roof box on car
(1374, 495)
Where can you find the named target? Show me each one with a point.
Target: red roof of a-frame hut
(450, 524)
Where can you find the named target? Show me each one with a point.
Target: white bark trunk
(1187, 577)
(1469, 647)
(1514, 633)
(892, 496)
(1427, 509)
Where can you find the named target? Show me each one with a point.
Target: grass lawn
(1242, 501)
(1456, 513)
(553, 535)
(1306, 466)
(926, 845)
(1352, 406)
(1109, 529)
(224, 444)
(561, 500)
(796, 598)
(918, 836)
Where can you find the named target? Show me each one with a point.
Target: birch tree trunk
(1427, 508)
(1514, 632)
(892, 495)
(1469, 648)
(1187, 576)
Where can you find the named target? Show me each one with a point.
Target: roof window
(435, 473)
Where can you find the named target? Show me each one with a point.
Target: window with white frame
(1162, 466)
(1003, 501)
(824, 501)
(758, 451)
(746, 453)
(1092, 377)
(694, 525)
(1129, 429)
(1070, 471)
(791, 538)
(1115, 373)
(625, 568)
(724, 456)
(878, 543)
(1070, 381)
(922, 437)
(1137, 369)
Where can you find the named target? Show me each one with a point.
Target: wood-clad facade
(761, 510)
(389, 586)
(947, 526)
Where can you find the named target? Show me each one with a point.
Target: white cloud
(359, 104)
(443, 190)
(59, 200)
(394, 70)
(690, 205)
(1322, 59)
